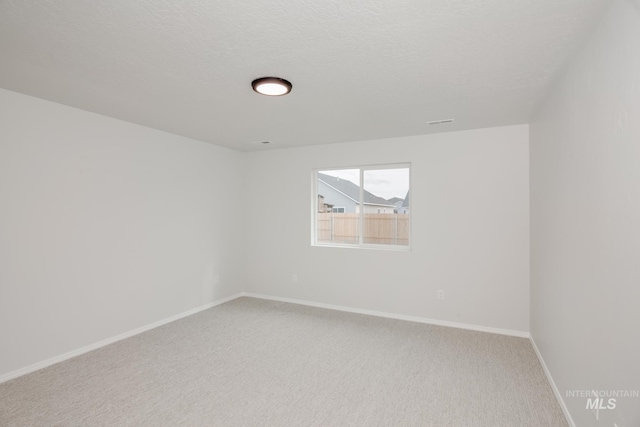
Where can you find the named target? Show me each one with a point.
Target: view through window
(363, 206)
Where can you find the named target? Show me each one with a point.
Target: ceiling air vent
(440, 122)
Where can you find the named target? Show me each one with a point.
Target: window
(364, 206)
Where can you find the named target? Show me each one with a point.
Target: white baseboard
(48, 362)
(57, 359)
(468, 326)
(555, 389)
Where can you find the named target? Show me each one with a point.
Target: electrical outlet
(294, 278)
(440, 294)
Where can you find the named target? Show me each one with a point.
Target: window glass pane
(337, 219)
(386, 206)
(363, 206)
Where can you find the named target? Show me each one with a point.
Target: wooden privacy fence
(385, 229)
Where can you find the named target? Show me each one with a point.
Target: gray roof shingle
(352, 190)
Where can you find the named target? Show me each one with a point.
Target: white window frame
(360, 244)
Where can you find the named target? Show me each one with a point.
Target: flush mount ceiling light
(271, 86)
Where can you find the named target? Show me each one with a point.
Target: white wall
(106, 226)
(585, 220)
(470, 207)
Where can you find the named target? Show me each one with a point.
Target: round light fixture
(271, 86)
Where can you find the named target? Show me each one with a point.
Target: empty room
(337, 213)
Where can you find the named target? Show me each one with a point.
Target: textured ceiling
(360, 69)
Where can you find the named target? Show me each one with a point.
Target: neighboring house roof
(395, 200)
(405, 202)
(352, 191)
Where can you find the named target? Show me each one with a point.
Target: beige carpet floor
(252, 362)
